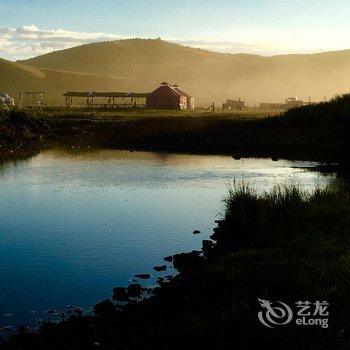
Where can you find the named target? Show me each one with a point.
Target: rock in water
(120, 294)
(160, 268)
(134, 290)
(143, 275)
(207, 246)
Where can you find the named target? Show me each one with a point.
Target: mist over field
(140, 65)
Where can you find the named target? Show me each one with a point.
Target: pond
(74, 224)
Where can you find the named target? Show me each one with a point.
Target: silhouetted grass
(258, 218)
(332, 112)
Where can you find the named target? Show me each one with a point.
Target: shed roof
(176, 88)
(166, 87)
(105, 94)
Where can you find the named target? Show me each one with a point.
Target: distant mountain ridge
(141, 64)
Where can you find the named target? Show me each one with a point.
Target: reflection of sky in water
(74, 225)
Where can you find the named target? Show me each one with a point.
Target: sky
(264, 27)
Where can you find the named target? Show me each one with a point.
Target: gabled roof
(181, 92)
(169, 88)
(177, 91)
(174, 89)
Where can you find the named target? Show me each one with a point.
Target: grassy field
(286, 245)
(316, 132)
(30, 129)
(136, 113)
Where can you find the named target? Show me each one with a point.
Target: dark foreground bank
(283, 246)
(318, 132)
(21, 134)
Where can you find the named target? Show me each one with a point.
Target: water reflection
(74, 224)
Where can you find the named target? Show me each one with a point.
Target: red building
(168, 96)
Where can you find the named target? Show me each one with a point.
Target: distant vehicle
(6, 101)
(289, 103)
(233, 104)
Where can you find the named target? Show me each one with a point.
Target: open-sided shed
(107, 99)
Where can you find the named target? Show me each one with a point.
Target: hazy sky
(267, 27)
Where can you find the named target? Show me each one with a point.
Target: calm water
(74, 225)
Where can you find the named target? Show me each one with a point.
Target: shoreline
(213, 300)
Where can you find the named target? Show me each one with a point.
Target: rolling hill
(16, 77)
(141, 64)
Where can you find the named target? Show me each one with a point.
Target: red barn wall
(163, 98)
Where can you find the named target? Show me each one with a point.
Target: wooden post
(21, 100)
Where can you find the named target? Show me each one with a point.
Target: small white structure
(6, 101)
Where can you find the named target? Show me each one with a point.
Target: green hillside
(140, 65)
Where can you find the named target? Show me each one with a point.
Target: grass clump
(320, 114)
